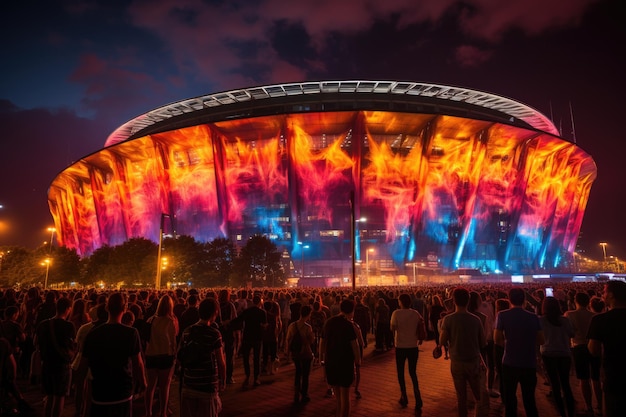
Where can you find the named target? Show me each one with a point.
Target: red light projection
(477, 193)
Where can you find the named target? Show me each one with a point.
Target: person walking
(226, 314)
(608, 339)
(556, 354)
(254, 321)
(519, 331)
(55, 338)
(160, 355)
(464, 332)
(302, 333)
(586, 366)
(112, 352)
(339, 352)
(203, 364)
(409, 332)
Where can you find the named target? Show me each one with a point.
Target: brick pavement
(379, 388)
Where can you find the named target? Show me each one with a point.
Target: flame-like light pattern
(478, 194)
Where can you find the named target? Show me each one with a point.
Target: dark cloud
(471, 56)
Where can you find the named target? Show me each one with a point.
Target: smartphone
(549, 292)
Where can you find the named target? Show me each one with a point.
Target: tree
(259, 263)
(18, 267)
(99, 266)
(136, 258)
(64, 267)
(221, 255)
(184, 260)
(133, 262)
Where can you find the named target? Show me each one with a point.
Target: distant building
(446, 177)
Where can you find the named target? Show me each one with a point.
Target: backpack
(295, 346)
(194, 352)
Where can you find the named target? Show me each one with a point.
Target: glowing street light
(157, 282)
(52, 230)
(604, 244)
(46, 262)
(303, 247)
(367, 264)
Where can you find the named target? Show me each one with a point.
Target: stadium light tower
(603, 244)
(302, 248)
(367, 264)
(157, 283)
(46, 263)
(52, 230)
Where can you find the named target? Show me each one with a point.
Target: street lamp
(52, 230)
(46, 263)
(302, 248)
(367, 264)
(603, 244)
(157, 283)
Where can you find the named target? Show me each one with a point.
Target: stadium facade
(411, 175)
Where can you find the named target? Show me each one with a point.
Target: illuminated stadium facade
(443, 178)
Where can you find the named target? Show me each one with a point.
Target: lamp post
(157, 283)
(367, 264)
(603, 244)
(52, 230)
(46, 263)
(302, 248)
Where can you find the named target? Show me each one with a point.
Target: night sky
(73, 71)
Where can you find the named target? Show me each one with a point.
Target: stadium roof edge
(482, 99)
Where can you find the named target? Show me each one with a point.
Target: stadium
(387, 177)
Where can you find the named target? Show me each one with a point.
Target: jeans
(303, 370)
(558, 368)
(403, 355)
(472, 374)
(527, 379)
(255, 346)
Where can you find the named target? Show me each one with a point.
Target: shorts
(56, 381)
(585, 365)
(159, 362)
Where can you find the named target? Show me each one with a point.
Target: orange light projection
(478, 194)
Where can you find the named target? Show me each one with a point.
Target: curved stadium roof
(382, 95)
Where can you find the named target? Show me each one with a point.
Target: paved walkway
(379, 389)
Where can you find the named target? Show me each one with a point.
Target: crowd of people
(110, 348)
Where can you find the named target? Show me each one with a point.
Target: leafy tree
(64, 266)
(259, 263)
(99, 266)
(134, 261)
(186, 259)
(19, 267)
(221, 255)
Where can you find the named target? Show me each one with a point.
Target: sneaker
(358, 394)
(230, 380)
(329, 393)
